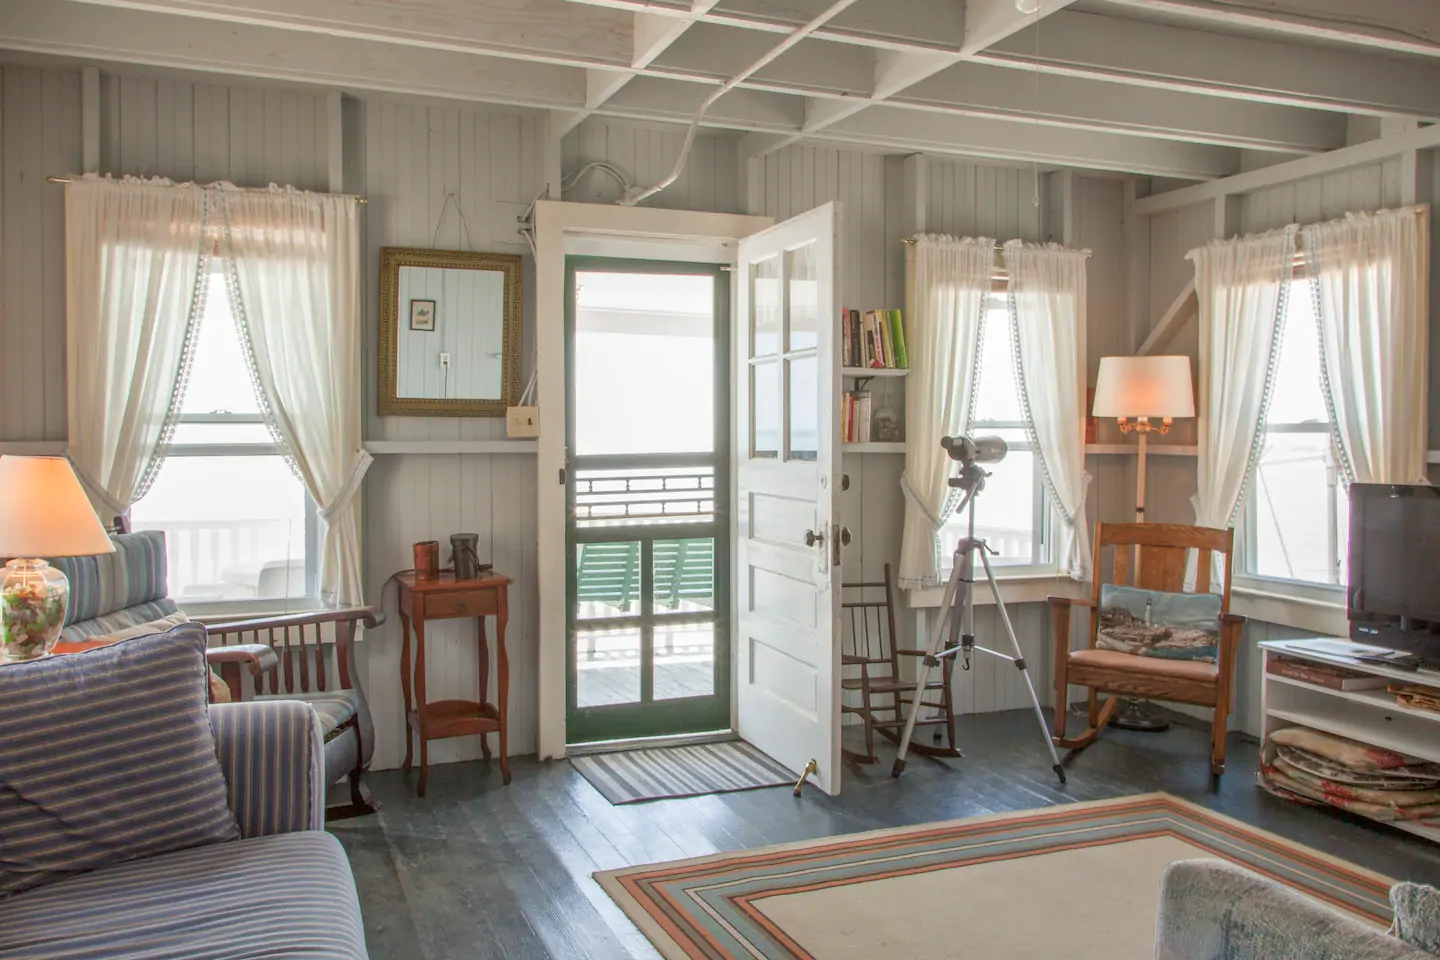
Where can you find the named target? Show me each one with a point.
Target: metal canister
(427, 560)
(466, 560)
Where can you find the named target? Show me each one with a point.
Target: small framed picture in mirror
(422, 314)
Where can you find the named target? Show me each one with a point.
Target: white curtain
(1371, 282)
(945, 296)
(134, 252)
(1047, 323)
(1241, 285)
(294, 260)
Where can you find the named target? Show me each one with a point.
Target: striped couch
(283, 890)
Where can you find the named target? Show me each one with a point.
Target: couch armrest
(1210, 909)
(274, 764)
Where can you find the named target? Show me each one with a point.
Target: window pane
(684, 575)
(219, 369)
(1004, 512)
(765, 409)
(998, 392)
(1293, 486)
(234, 527)
(607, 667)
(804, 425)
(766, 307)
(644, 360)
(684, 661)
(187, 433)
(607, 580)
(1296, 396)
(804, 292)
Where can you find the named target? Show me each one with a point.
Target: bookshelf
(873, 364)
(866, 373)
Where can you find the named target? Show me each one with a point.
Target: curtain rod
(352, 196)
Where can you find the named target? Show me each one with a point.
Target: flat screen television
(1393, 595)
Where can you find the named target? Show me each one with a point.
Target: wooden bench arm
(369, 617)
(258, 656)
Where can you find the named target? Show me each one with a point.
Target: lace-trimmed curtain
(293, 261)
(1370, 275)
(946, 286)
(134, 261)
(1242, 286)
(1047, 325)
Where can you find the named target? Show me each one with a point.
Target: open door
(786, 462)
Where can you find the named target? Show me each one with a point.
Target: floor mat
(663, 773)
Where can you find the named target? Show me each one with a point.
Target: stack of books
(875, 340)
(855, 417)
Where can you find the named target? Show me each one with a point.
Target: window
(239, 526)
(1012, 514)
(1297, 519)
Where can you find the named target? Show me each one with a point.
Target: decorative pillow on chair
(1417, 915)
(107, 756)
(1150, 623)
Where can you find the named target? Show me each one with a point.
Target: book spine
(902, 355)
(888, 337)
(844, 337)
(862, 417)
(855, 356)
(1298, 671)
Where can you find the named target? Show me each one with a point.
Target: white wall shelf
(1129, 450)
(873, 447)
(861, 373)
(388, 447)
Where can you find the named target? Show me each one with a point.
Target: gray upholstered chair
(305, 657)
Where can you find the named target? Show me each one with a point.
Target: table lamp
(43, 513)
(1136, 391)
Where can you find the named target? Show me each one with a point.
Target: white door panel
(786, 463)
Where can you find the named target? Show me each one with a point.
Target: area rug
(663, 773)
(1081, 881)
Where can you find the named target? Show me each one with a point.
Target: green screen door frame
(646, 716)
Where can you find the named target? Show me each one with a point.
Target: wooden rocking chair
(1163, 550)
(869, 645)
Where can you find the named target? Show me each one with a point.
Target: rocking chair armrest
(257, 656)
(369, 617)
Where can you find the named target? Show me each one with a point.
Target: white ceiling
(1188, 89)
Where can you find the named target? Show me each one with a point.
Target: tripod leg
(1020, 665)
(937, 638)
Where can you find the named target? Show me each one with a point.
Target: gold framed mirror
(449, 332)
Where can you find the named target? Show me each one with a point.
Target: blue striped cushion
(135, 573)
(290, 896)
(119, 620)
(107, 756)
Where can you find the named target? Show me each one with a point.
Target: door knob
(845, 536)
(812, 538)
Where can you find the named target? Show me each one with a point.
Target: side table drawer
(460, 603)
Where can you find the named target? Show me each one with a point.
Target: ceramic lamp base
(34, 597)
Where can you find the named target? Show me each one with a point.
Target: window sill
(1028, 586)
(1324, 617)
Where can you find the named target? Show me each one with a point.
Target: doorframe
(596, 230)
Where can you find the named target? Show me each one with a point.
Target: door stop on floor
(810, 767)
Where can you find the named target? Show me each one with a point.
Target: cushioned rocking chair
(1150, 556)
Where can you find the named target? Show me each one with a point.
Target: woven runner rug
(662, 773)
(1080, 882)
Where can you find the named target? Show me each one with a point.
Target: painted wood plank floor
(478, 870)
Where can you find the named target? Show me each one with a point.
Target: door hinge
(562, 476)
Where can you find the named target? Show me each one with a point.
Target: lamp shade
(45, 513)
(1144, 387)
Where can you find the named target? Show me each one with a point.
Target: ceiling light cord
(636, 195)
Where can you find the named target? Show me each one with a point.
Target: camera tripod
(957, 620)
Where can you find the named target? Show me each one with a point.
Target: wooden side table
(445, 599)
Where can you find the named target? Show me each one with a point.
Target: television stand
(1368, 716)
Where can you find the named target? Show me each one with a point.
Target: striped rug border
(668, 773)
(704, 907)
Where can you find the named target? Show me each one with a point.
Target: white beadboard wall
(39, 136)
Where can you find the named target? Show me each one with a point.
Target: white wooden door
(787, 463)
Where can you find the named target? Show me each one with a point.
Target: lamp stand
(1139, 714)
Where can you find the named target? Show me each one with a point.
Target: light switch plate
(522, 422)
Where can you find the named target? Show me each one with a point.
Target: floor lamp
(1137, 392)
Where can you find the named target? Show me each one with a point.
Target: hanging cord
(635, 195)
(464, 221)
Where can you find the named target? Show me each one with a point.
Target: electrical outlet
(522, 422)
(444, 359)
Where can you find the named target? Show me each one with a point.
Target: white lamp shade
(1144, 387)
(45, 513)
